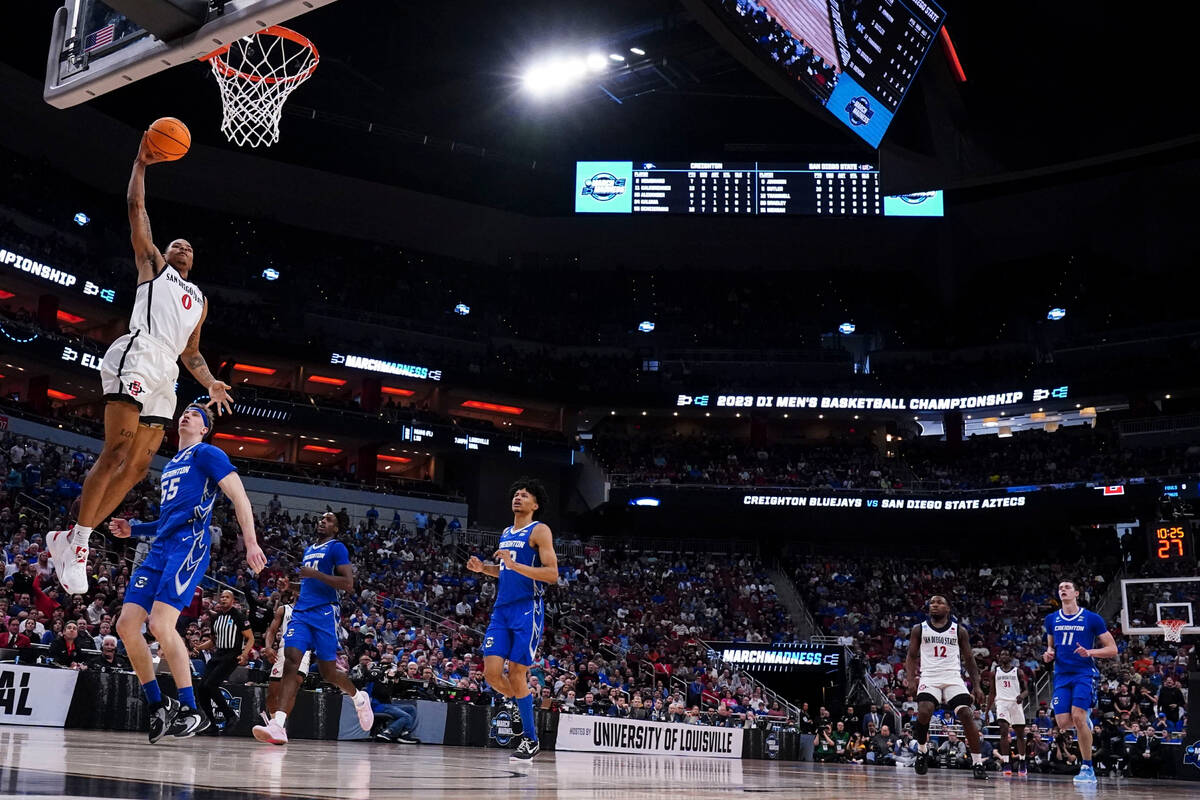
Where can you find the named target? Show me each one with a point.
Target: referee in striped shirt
(229, 626)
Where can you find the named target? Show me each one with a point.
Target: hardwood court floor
(50, 762)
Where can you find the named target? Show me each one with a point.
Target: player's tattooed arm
(146, 255)
(193, 359)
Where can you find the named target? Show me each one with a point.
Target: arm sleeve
(213, 462)
(143, 530)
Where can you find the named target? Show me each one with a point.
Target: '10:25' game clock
(1171, 541)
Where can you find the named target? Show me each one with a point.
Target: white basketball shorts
(942, 691)
(142, 372)
(277, 667)
(1010, 710)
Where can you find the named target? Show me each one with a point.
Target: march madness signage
(603, 735)
(35, 695)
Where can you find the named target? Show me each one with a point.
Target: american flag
(99, 38)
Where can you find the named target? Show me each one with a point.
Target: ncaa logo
(1191, 755)
(859, 110)
(603, 186)
(502, 730)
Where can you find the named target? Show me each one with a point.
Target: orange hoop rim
(227, 71)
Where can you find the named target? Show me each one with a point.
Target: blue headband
(203, 412)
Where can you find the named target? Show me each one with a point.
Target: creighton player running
(526, 562)
(178, 558)
(937, 650)
(1071, 633)
(138, 376)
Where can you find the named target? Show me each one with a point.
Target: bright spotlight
(82, 219)
(846, 328)
(616, 56)
(1056, 314)
(637, 51)
(462, 309)
(597, 62)
(646, 326)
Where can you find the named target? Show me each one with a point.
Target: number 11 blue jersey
(1082, 628)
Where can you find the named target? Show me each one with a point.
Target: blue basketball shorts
(314, 629)
(515, 631)
(172, 570)
(1073, 691)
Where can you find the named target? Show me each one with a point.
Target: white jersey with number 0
(166, 310)
(1008, 684)
(940, 658)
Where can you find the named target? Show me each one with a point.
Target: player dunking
(937, 650)
(165, 581)
(326, 571)
(1008, 695)
(526, 563)
(1071, 635)
(138, 377)
(273, 646)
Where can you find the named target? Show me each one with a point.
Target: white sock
(1003, 759)
(79, 535)
(976, 758)
(921, 747)
(280, 719)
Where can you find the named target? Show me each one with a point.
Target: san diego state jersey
(167, 309)
(941, 659)
(514, 587)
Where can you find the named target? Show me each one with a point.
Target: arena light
(327, 381)
(597, 62)
(81, 219)
(1056, 314)
(646, 326)
(233, 437)
(319, 448)
(847, 328)
(396, 391)
(54, 394)
(496, 407)
(6, 295)
(554, 75)
(394, 459)
(646, 502)
(253, 369)
(637, 51)
(616, 57)
(69, 318)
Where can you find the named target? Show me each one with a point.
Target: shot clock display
(1171, 541)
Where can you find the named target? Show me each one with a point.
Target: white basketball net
(1172, 629)
(256, 74)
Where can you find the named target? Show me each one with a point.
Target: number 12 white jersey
(940, 657)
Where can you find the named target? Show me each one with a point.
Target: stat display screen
(858, 58)
(833, 189)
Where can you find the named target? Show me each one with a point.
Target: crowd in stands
(1072, 454)
(871, 605)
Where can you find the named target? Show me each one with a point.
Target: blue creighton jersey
(325, 557)
(1081, 628)
(516, 588)
(189, 488)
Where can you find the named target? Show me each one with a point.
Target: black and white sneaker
(162, 714)
(526, 750)
(384, 736)
(406, 738)
(922, 763)
(189, 722)
(980, 772)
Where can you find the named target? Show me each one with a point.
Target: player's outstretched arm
(218, 391)
(146, 255)
(231, 485)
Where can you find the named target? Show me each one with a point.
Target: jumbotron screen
(857, 57)
(827, 188)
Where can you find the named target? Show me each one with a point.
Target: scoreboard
(818, 188)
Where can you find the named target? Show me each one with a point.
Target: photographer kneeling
(382, 680)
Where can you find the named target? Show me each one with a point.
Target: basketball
(169, 138)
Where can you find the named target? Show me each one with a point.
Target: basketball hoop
(256, 73)
(1172, 629)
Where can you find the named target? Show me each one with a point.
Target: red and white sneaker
(362, 705)
(70, 561)
(271, 733)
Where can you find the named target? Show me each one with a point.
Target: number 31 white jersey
(941, 661)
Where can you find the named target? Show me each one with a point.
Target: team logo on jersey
(489, 641)
(1191, 755)
(290, 633)
(186, 300)
(136, 388)
(141, 582)
(603, 186)
(859, 110)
